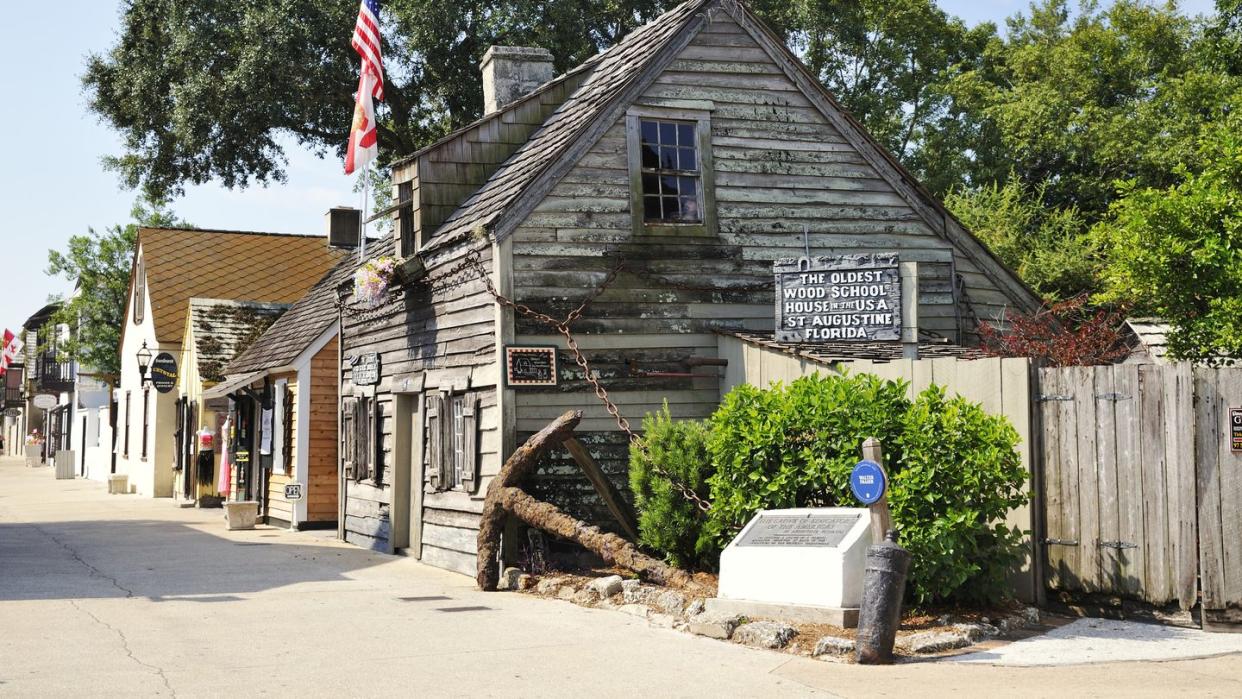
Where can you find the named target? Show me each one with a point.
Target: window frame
(140, 291)
(146, 420)
(701, 118)
(125, 453)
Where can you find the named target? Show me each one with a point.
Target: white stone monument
(801, 564)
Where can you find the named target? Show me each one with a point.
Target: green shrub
(955, 476)
(667, 522)
(794, 446)
(954, 472)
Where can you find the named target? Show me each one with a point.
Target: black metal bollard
(884, 584)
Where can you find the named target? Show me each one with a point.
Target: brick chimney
(512, 72)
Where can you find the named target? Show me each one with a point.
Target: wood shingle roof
(185, 263)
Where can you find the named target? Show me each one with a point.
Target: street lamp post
(144, 362)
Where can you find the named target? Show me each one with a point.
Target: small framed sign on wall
(530, 366)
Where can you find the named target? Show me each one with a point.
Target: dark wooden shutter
(470, 440)
(362, 444)
(435, 435)
(448, 462)
(287, 435)
(375, 456)
(348, 453)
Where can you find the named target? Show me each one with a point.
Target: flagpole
(362, 220)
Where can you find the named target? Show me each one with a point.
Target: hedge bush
(953, 469)
(667, 522)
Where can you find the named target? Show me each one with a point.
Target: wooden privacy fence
(1143, 491)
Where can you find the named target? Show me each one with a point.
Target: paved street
(115, 595)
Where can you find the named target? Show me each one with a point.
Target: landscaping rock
(976, 632)
(637, 594)
(509, 579)
(638, 610)
(669, 602)
(714, 624)
(833, 645)
(765, 634)
(585, 597)
(605, 587)
(548, 586)
(695, 608)
(1031, 616)
(933, 641)
(566, 592)
(525, 581)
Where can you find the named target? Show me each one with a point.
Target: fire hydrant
(884, 585)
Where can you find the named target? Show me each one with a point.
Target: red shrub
(1067, 333)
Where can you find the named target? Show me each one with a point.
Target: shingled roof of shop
(220, 326)
(840, 351)
(613, 71)
(183, 263)
(306, 320)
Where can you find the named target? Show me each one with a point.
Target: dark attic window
(671, 171)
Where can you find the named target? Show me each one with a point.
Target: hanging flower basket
(372, 281)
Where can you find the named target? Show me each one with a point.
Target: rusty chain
(562, 327)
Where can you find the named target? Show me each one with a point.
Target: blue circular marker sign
(867, 482)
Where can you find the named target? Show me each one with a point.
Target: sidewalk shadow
(158, 560)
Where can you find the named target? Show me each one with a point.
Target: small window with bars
(671, 171)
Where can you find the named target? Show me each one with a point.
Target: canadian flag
(12, 348)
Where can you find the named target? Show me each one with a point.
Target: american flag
(366, 42)
(363, 138)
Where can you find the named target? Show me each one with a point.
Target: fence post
(881, 520)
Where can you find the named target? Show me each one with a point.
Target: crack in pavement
(125, 646)
(95, 572)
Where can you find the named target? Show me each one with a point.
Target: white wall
(152, 477)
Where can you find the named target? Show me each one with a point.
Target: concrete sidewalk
(116, 595)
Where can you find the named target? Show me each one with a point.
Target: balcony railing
(53, 375)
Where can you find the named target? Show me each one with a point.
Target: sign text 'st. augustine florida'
(854, 297)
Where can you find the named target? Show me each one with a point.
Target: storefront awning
(230, 385)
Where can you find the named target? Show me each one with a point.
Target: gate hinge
(1117, 544)
(1061, 542)
(1044, 398)
(1112, 396)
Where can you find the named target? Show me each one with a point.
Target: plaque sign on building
(365, 369)
(845, 298)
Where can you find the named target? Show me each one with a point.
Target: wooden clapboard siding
(321, 495)
(444, 336)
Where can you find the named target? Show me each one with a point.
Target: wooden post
(881, 520)
(909, 272)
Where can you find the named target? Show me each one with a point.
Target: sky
(52, 185)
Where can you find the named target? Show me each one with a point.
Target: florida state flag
(363, 140)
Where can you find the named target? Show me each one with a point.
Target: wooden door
(407, 474)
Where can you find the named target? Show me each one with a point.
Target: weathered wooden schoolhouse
(660, 181)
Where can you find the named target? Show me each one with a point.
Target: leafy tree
(204, 90)
(100, 264)
(1074, 103)
(1049, 248)
(1177, 251)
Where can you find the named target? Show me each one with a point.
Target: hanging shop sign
(1235, 429)
(163, 372)
(530, 366)
(45, 401)
(365, 369)
(847, 298)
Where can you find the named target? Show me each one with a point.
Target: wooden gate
(1143, 493)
